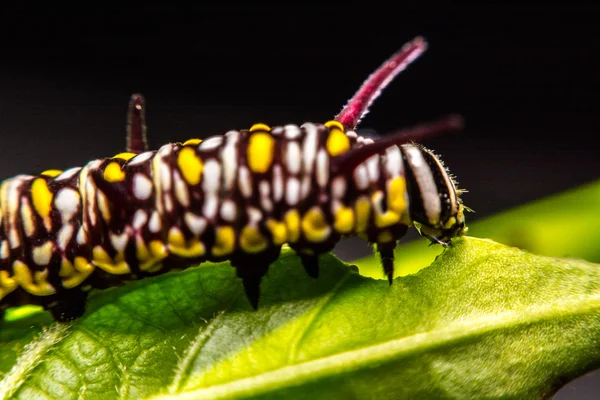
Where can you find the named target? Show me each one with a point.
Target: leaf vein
(183, 368)
(317, 309)
(122, 388)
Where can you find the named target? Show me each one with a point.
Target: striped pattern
(240, 196)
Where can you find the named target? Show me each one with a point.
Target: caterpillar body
(239, 196)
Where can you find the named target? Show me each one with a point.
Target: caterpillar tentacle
(351, 159)
(359, 104)
(240, 197)
(137, 139)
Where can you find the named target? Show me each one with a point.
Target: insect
(239, 197)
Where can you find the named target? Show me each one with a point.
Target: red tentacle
(359, 104)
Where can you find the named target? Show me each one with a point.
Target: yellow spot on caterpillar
(113, 173)
(344, 220)
(178, 246)
(192, 142)
(386, 219)
(125, 156)
(72, 277)
(385, 237)
(42, 197)
(176, 238)
(42, 200)
(396, 199)
(383, 219)
(4, 204)
(190, 165)
(66, 269)
(260, 127)
(278, 232)
(116, 268)
(362, 208)
(260, 152)
(158, 249)
(194, 249)
(292, 222)
(337, 142)
(36, 285)
(314, 225)
(51, 172)
(331, 124)
(150, 260)
(252, 241)
(83, 265)
(450, 223)
(102, 259)
(225, 241)
(7, 284)
(100, 255)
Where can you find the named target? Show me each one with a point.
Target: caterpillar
(240, 197)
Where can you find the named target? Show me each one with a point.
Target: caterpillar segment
(240, 197)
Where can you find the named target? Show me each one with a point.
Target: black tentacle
(137, 141)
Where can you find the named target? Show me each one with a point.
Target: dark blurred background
(525, 78)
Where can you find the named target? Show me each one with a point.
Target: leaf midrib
(296, 375)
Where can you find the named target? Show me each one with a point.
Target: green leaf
(483, 321)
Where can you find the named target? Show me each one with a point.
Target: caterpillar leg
(251, 268)
(68, 305)
(386, 255)
(251, 277)
(310, 264)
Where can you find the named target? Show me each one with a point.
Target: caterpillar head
(436, 207)
(434, 203)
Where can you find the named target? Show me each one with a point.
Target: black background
(525, 78)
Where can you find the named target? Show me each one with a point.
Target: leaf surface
(483, 321)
